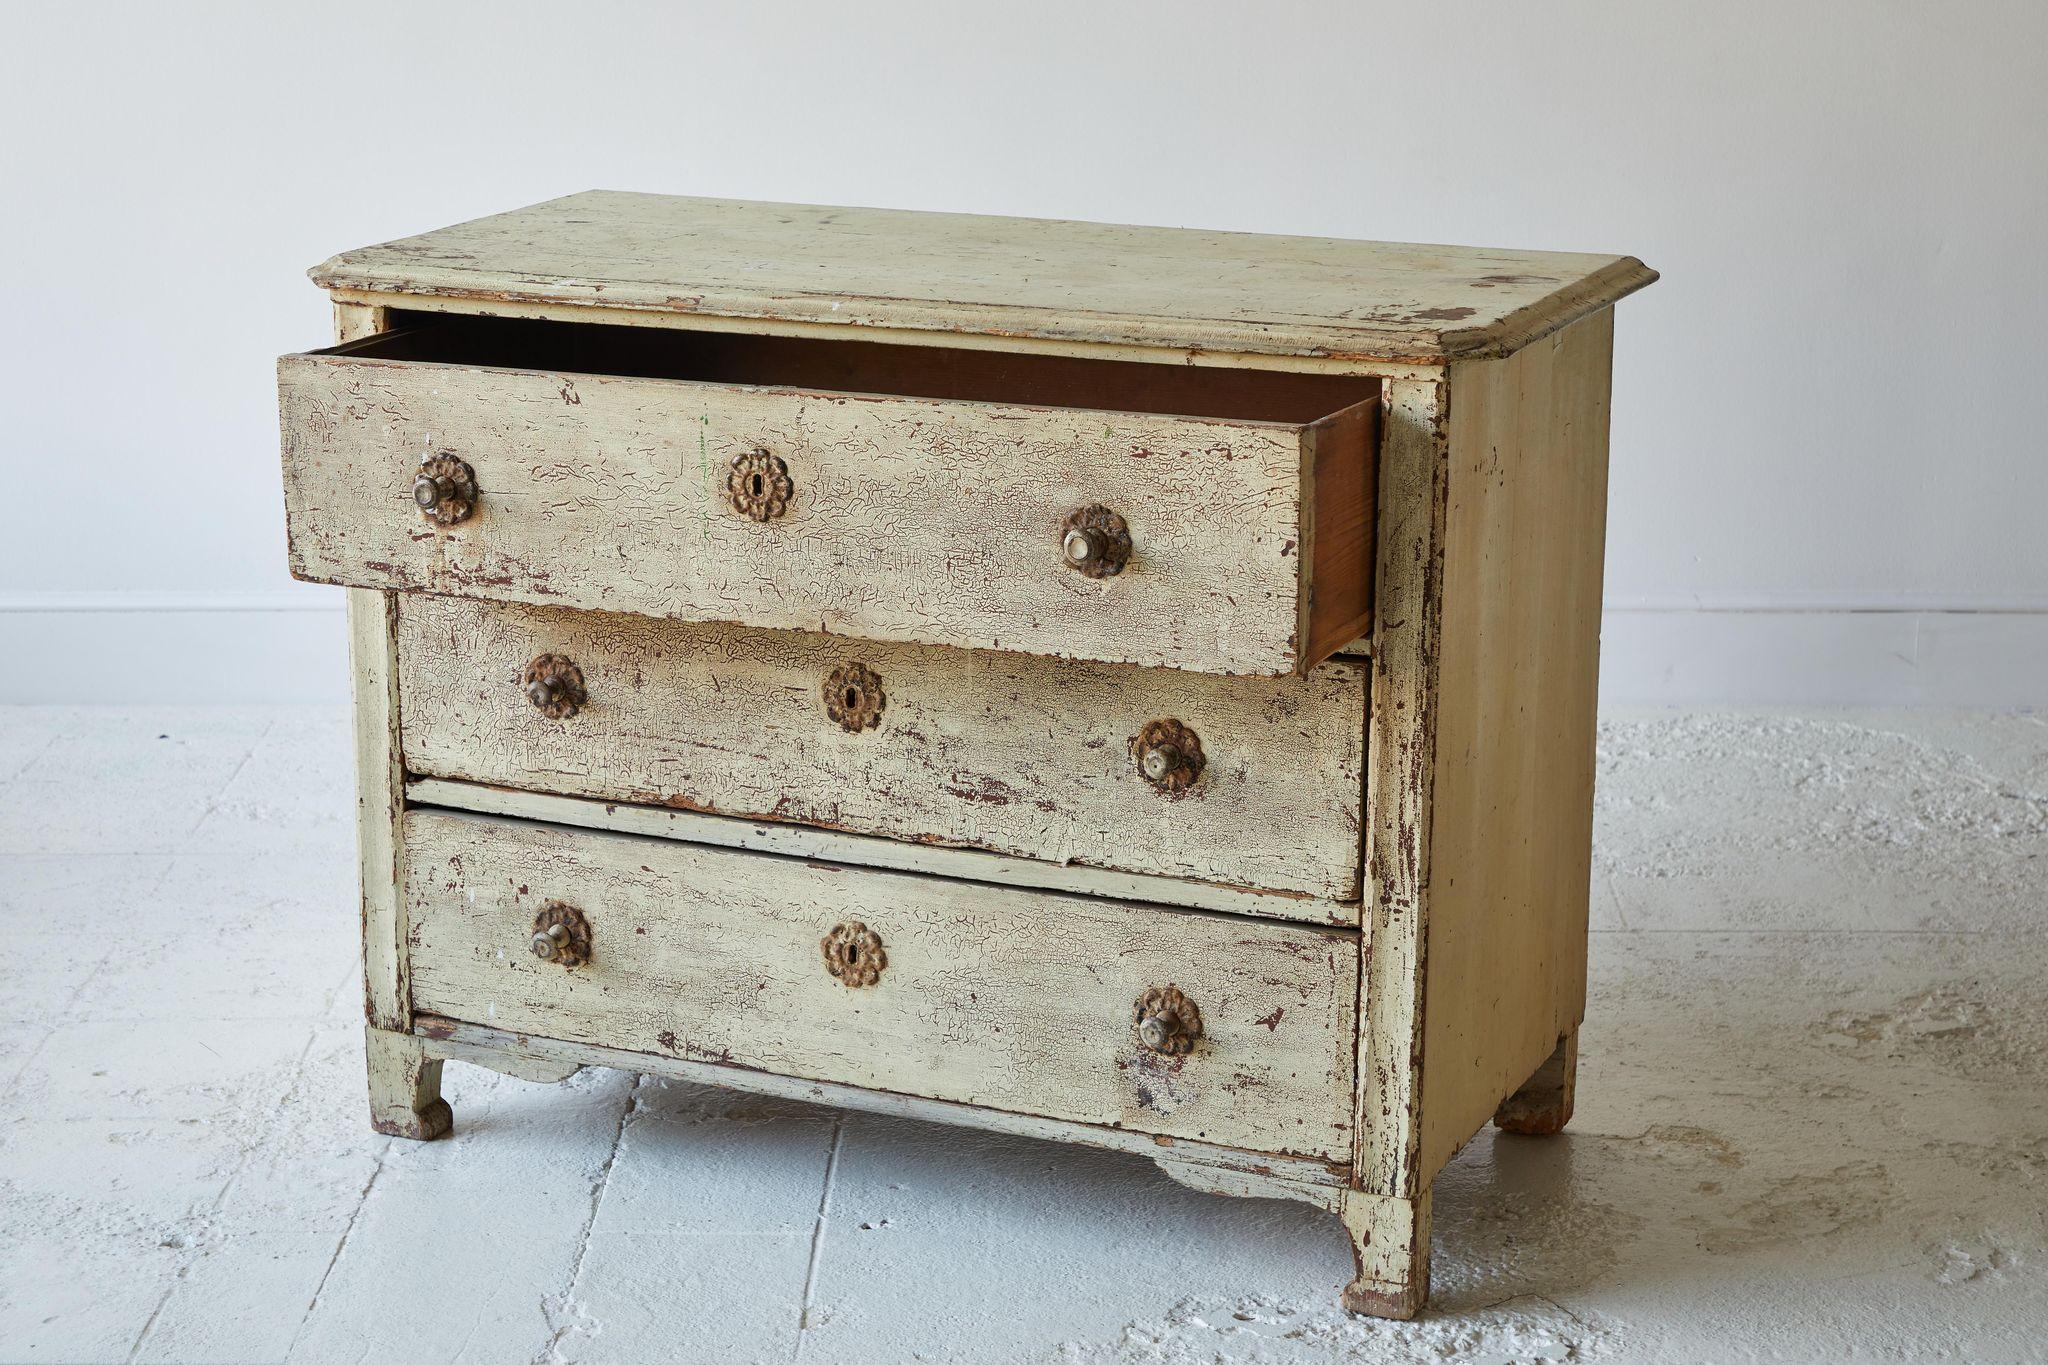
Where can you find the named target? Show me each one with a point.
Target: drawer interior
(868, 367)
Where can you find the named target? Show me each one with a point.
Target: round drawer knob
(758, 485)
(554, 684)
(853, 954)
(854, 697)
(561, 934)
(1167, 1021)
(445, 490)
(1095, 541)
(1169, 755)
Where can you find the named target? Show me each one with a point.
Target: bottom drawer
(1013, 999)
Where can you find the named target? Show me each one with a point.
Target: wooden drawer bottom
(1013, 999)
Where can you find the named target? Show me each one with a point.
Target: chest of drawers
(1124, 686)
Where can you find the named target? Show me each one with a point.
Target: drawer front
(886, 518)
(1017, 1000)
(1036, 757)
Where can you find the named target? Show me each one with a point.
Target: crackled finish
(997, 751)
(611, 493)
(949, 276)
(723, 966)
(1339, 1068)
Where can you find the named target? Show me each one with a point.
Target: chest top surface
(1174, 288)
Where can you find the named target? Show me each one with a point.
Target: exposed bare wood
(1399, 777)
(405, 1086)
(1543, 1104)
(1000, 751)
(1390, 1239)
(1512, 857)
(991, 995)
(945, 274)
(801, 841)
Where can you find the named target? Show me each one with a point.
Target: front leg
(1544, 1103)
(1390, 1242)
(405, 1086)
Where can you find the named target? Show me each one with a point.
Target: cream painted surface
(910, 519)
(1011, 999)
(1023, 277)
(1218, 1170)
(999, 751)
(808, 841)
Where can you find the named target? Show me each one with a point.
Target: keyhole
(853, 699)
(758, 484)
(852, 953)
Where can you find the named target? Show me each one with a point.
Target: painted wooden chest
(1125, 686)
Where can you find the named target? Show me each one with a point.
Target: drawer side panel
(1012, 999)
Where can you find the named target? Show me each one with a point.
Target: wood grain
(997, 751)
(955, 275)
(380, 797)
(1406, 649)
(914, 520)
(1012, 999)
(1511, 855)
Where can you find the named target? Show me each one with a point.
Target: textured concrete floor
(1813, 1119)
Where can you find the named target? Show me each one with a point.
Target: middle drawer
(1250, 782)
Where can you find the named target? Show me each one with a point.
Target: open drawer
(1207, 519)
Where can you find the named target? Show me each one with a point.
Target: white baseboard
(174, 648)
(286, 647)
(1990, 657)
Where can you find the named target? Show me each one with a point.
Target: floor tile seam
(213, 802)
(244, 1156)
(803, 1321)
(550, 1352)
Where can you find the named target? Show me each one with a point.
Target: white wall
(1828, 481)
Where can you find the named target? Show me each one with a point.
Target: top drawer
(1206, 519)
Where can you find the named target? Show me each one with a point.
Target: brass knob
(853, 954)
(1169, 755)
(758, 485)
(1160, 760)
(1095, 541)
(445, 490)
(554, 684)
(854, 697)
(561, 934)
(1167, 1021)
